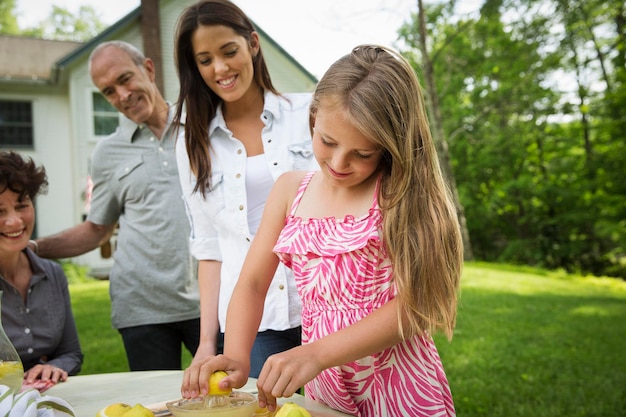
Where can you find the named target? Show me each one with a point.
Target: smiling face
(17, 220)
(346, 156)
(128, 87)
(224, 60)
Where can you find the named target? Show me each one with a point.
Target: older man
(153, 287)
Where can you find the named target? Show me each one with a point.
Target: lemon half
(214, 380)
(114, 410)
(124, 410)
(138, 410)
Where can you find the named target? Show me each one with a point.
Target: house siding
(51, 147)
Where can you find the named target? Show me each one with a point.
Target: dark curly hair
(22, 175)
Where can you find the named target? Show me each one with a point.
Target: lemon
(264, 412)
(114, 410)
(214, 381)
(138, 410)
(291, 409)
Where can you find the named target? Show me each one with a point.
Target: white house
(50, 110)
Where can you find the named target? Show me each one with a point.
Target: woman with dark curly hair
(36, 311)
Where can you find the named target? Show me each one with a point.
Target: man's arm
(75, 241)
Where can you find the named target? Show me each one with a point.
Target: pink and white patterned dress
(343, 274)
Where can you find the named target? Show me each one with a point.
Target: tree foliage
(533, 103)
(61, 24)
(8, 20)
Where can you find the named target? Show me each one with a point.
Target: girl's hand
(45, 372)
(285, 373)
(196, 377)
(190, 387)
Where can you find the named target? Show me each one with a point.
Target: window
(105, 116)
(16, 124)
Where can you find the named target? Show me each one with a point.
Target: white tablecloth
(88, 394)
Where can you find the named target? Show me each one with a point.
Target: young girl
(375, 246)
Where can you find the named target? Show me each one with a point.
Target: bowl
(242, 404)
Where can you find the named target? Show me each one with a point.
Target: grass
(528, 342)
(538, 344)
(101, 344)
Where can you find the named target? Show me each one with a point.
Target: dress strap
(375, 203)
(303, 185)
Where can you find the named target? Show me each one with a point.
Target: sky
(315, 33)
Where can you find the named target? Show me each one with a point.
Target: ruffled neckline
(373, 213)
(328, 236)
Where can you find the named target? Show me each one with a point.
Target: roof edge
(312, 77)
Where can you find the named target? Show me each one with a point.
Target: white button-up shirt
(219, 222)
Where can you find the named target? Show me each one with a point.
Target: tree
(64, 25)
(8, 20)
(60, 25)
(439, 138)
(538, 173)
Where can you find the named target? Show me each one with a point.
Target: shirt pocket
(128, 167)
(214, 199)
(132, 178)
(301, 155)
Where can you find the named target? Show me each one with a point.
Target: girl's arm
(284, 373)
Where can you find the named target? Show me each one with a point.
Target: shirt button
(281, 287)
(126, 169)
(160, 149)
(152, 139)
(27, 330)
(248, 239)
(275, 163)
(238, 176)
(239, 151)
(269, 141)
(241, 207)
(30, 350)
(165, 163)
(27, 310)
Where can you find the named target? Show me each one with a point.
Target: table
(88, 394)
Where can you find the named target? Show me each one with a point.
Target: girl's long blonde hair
(380, 93)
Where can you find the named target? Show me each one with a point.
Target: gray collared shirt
(135, 177)
(42, 329)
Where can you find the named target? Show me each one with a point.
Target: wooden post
(151, 34)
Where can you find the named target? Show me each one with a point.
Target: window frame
(102, 113)
(18, 124)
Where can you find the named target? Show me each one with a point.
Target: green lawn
(528, 343)
(537, 344)
(101, 343)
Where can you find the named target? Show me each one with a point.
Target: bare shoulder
(286, 187)
(291, 179)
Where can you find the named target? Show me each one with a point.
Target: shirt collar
(271, 106)
(128, 127)
(39, 271)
